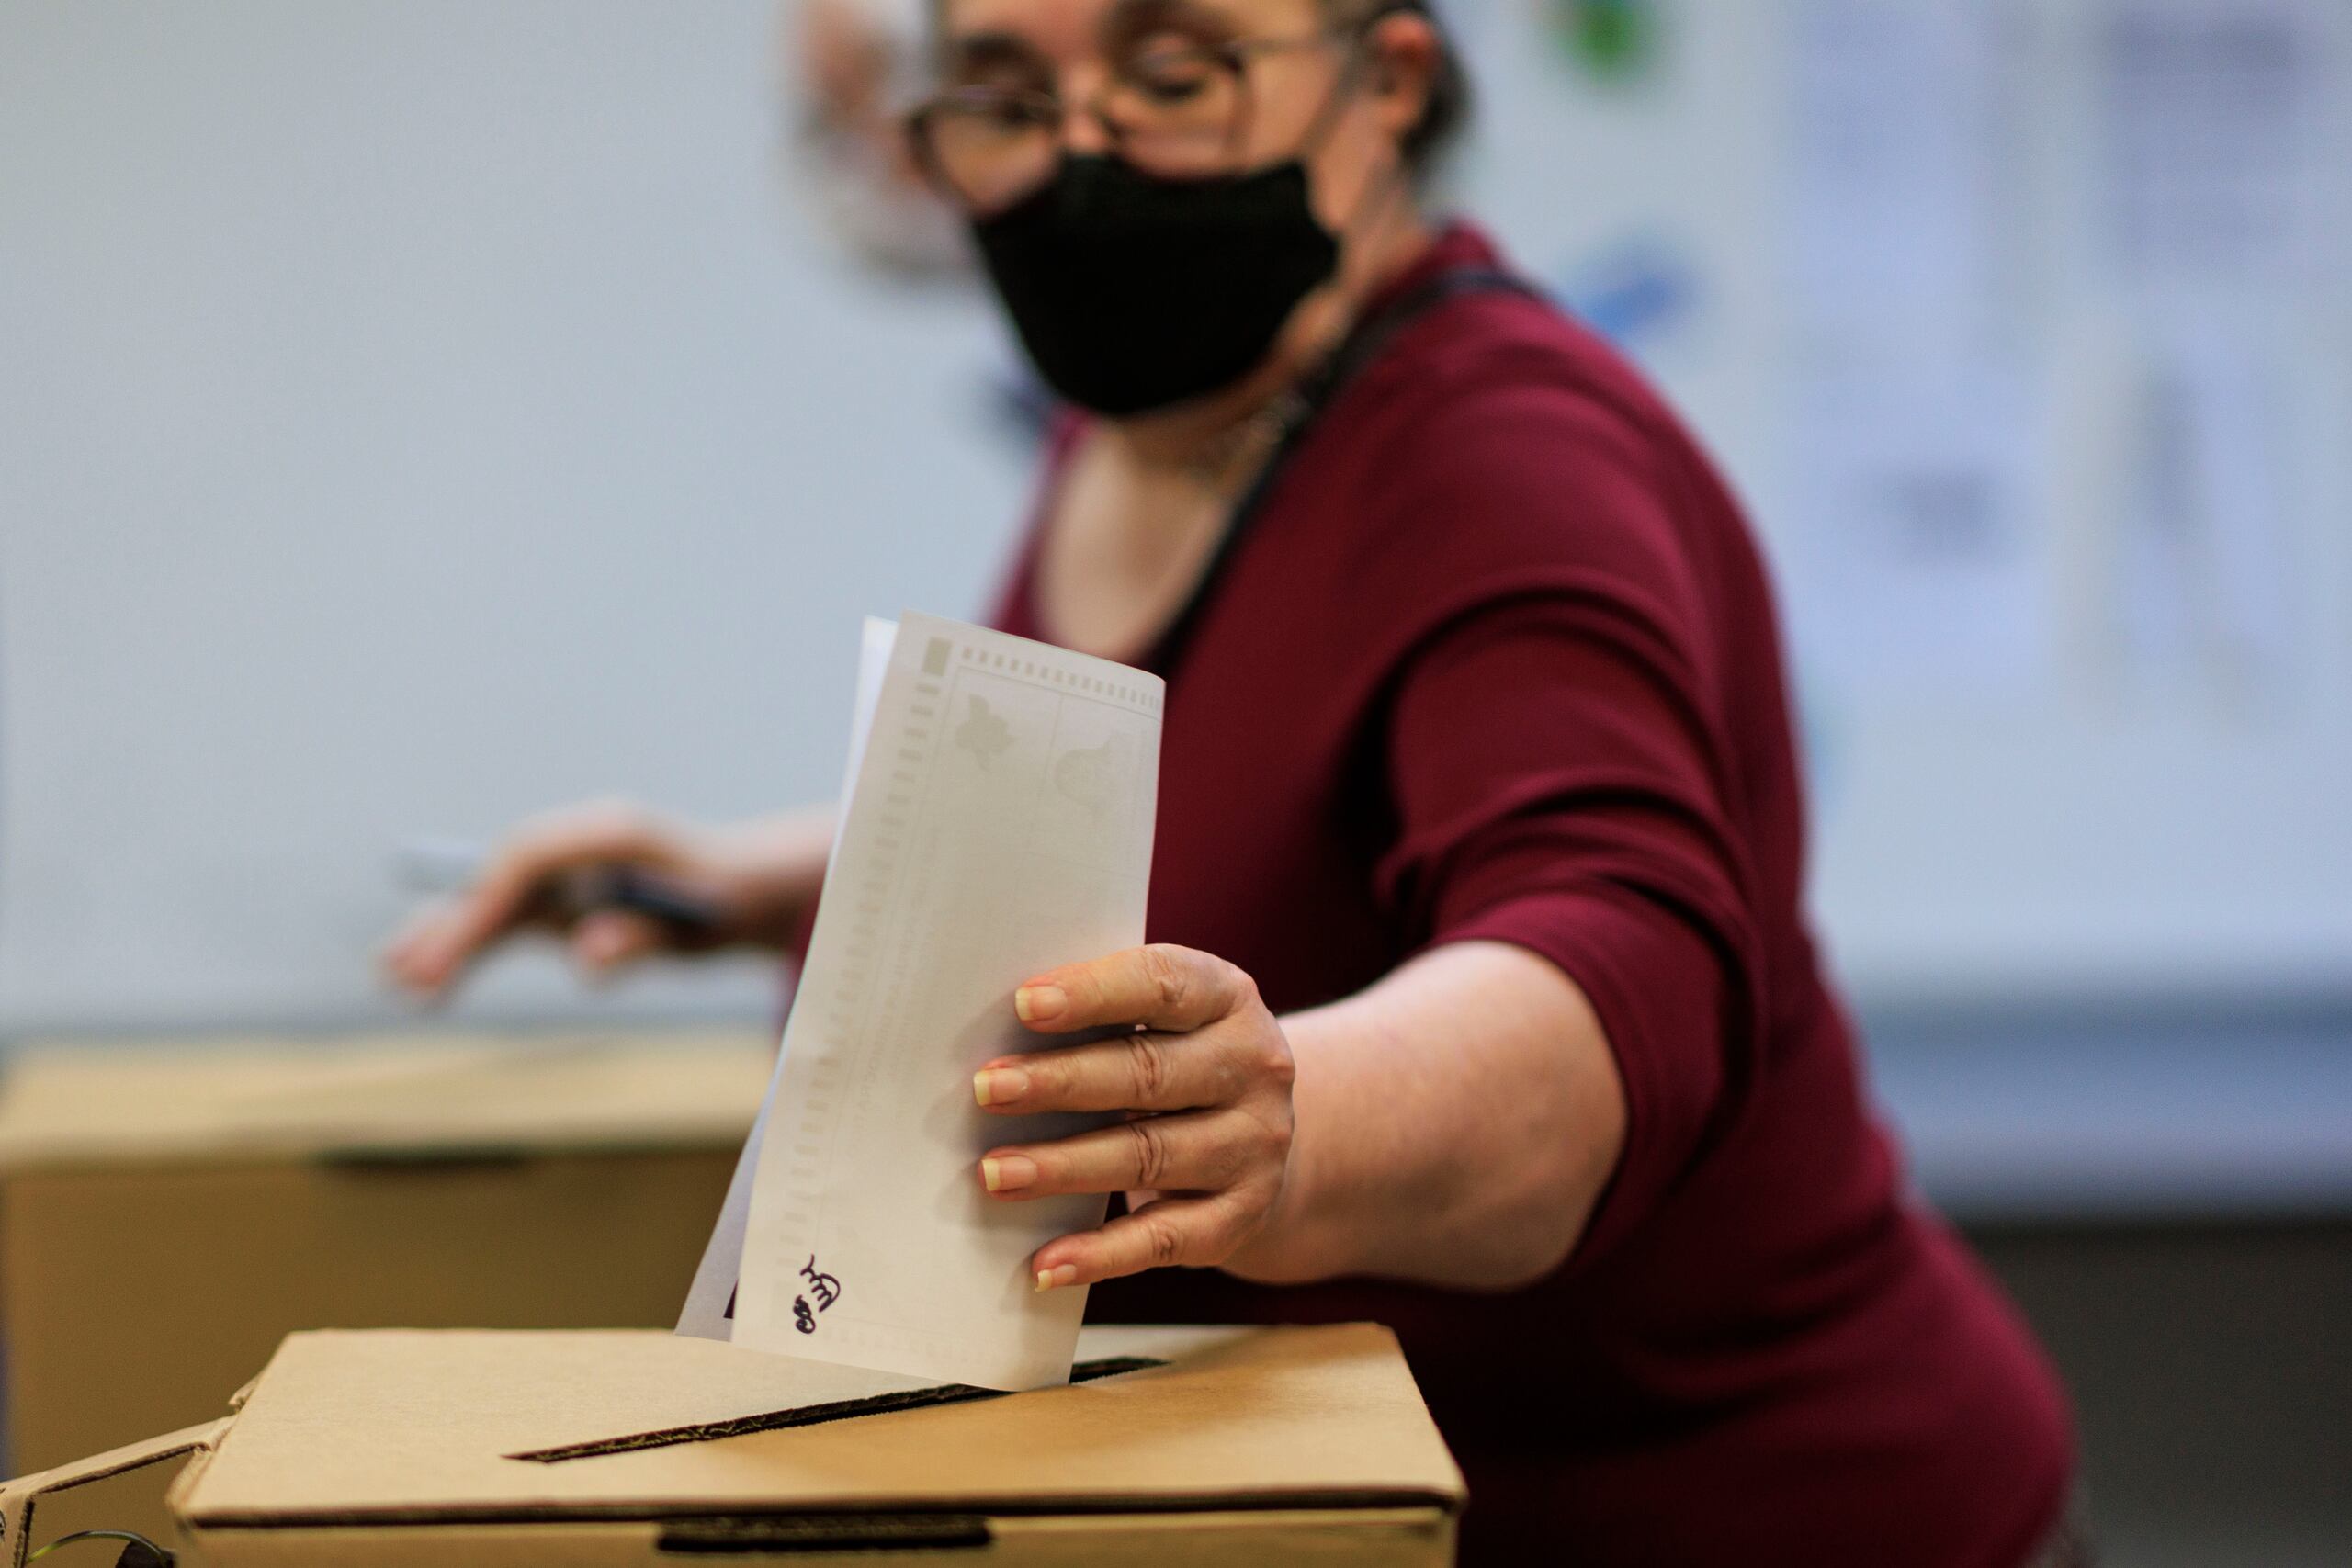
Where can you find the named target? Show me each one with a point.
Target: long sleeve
(1554, 769)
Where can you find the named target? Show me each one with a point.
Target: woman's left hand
(1205, 1082)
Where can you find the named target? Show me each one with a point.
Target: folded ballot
(997, 820)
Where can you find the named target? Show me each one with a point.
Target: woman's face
(1299, 97)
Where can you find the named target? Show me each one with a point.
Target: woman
(1481, 1002)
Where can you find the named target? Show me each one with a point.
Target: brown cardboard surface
(139, 1300)
(416, 1427)
(1354, 1538)
(149, 1101)
(168, 1213)
(128, 1499)
(98, 1493)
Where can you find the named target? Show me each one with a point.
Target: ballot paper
(999, 823)
(709, 1311)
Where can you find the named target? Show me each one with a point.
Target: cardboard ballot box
(169, 1213)
(1173, 1447)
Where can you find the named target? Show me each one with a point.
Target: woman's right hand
(757, 880)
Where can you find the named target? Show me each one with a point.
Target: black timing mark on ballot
(817, 1415)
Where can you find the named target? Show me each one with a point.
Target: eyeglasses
(1180, 110)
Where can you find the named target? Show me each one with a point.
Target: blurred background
(413, 415)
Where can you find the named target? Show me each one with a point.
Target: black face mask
(1132, 292)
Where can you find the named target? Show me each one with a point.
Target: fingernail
(1062, 1274)
(1036, 1003)
(999, 1086)
(1008, 1173)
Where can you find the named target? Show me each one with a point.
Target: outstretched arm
(1453, 1123)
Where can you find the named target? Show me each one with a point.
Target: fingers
(439, 946)
(408, 957)
(1161, 986)
(609, 939)
(1133, 1072)
(1205, 1151)
(1206, 1079)
(1197, 1233)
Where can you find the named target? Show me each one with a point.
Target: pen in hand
(567, 896)
(453, 865)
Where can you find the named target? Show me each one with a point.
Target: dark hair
(1447, 109)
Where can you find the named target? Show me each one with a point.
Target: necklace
(1225, 462)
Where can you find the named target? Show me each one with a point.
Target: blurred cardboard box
(390, 1449)
(169, 1212)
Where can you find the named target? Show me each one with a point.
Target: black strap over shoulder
(1304, 404)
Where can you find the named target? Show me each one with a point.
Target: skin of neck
(1388, 232)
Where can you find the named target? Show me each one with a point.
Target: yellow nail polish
(981, 1087)
(1045, 1279)
(990, 1173)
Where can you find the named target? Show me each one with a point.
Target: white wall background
(415, 414)
(2010, 807)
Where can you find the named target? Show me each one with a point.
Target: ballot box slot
(776, 1536)
(454, 1159)
(817, 1415)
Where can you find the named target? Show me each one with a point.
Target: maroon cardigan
(1497, 659)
